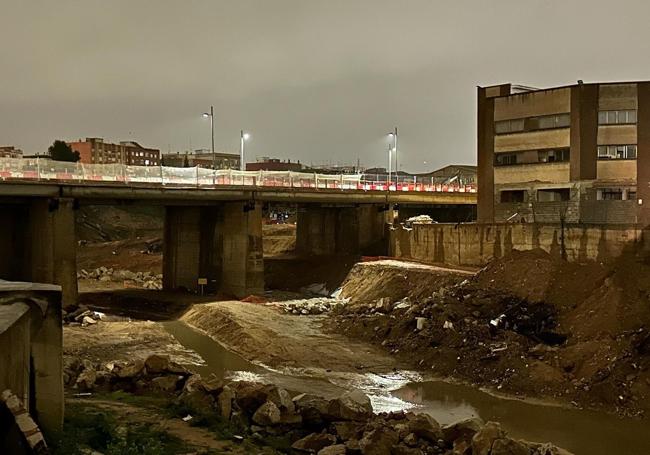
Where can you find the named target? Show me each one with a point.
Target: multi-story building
(9, 151)
(274, 164)
(579, 153)
(202, 158)
(95, 151)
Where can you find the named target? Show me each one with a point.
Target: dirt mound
(107, 223)
(136, 255)
(369, 281)
(527, 324)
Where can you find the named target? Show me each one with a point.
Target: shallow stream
(582, 432)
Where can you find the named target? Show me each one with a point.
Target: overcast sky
(318, 81)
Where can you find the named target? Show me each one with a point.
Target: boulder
(312, 408)
(353, 405)
(267, 414)
(379, 441)
(463, 429)
(196, 397)
(167, 383)
(129, 370)
(224, 402)
(157, 363)
(509, 446)
(424, 426)
(411, 440)
(282, 400)
(483, 440)
(86, 380)
(545, 449)
(347, 430)
(337, 449)
(314, 442)
(249, 395)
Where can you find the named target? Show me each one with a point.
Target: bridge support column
(326, 231)
(243, 261)
(52, 246)
(222, 244)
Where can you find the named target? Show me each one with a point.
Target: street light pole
(396, 166)
(211, 115)
(390, 163)
(392, 135)
(243, 137)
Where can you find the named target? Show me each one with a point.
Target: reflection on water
(582, 432)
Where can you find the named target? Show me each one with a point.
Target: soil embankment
(263, 334)
(527, 324)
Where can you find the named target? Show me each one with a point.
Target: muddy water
(582, 432)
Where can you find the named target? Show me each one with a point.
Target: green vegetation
(60, 151)
(90, 427)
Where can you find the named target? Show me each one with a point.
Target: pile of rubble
(313, 306)
(309, 424)
(146, 280)
(82, 316)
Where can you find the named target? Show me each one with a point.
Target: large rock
(86, 380)
(463, 429)
(379, 441)
(347, 430)
(250, 395)
(129, 370)
(156, 363)
(424, 426)
(338, 449)
(483, 440)
(312, 408)
(196, 397)
(224, 402)
(545, 449)
(314, 442)
(353, 405)
(267, 414)
(282, 400)
(167, 383)
(509, 446)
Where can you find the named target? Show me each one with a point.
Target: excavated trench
(580, 431)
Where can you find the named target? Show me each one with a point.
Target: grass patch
(86, 426)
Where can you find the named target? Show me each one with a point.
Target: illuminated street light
(393, 136)
(211, 115)
(243, 138)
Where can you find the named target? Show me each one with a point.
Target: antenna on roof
(580, 82)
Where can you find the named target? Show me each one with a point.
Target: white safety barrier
(46, 170)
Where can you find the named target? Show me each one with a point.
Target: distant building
(274, 164)
(95, 151)
(202, 158)
(579, 153)
(9, 151)
(464, 174)
(334, 169)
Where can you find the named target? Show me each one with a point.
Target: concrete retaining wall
(475, 244)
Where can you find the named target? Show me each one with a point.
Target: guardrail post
(162, 177)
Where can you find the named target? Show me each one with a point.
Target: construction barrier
(49, 170)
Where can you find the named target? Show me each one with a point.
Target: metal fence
(48, 170)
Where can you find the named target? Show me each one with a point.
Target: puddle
(582, 432)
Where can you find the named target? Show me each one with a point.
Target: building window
(543, 122)
(553, 195)
(505, 159)
(609, 194)
(553, 156)
(513, 196)
(617, 152)
(625, 117)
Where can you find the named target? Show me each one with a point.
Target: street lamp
(211, 115)
(242, 139)
(393, 136)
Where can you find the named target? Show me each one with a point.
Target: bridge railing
(50, 170)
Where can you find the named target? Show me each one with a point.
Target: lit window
(617, 152)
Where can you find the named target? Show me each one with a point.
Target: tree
(60, 151)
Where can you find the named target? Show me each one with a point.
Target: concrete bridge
(209, 232)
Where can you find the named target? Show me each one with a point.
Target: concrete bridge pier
(38, 243)
(221, 243)
(341, 230)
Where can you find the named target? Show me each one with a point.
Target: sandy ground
(262, 334)
(123, 340)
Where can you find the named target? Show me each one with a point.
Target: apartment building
(579, 153)
(202, 158)
(9, 151)
(94, 150)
